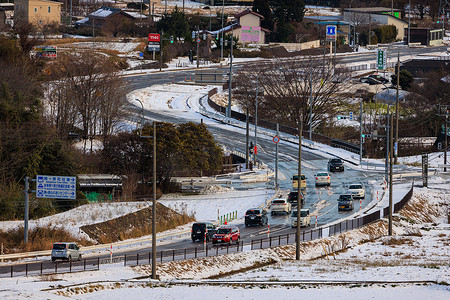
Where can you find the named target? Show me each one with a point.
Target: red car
(226, 234)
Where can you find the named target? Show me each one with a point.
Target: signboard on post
(153, 46)
(154, 37)
(381, 59)
(58, 187)
(250, 33)
(425, 169)
(331, 33)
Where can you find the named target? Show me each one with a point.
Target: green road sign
(381, 59)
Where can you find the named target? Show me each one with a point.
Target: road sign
(154, 37)
(381, 59)
(351, 115)
(331, 33)
(152, 46)
(198, 40)
(395, 149)
(276, 139)
(58, 187)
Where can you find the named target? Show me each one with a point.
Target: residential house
(6, 14)
(376, 15)
(246, 26)
(104, 17)
(38, 12)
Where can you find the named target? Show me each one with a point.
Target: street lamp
(154, 190)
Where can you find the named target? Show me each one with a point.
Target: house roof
(246, 12)
(106, 12)
(372, 9)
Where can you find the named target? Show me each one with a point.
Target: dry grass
(135, 225)
(420, 211)
(39, 238)
(397, 241)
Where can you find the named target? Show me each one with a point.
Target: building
(376, 15)
(424, 36)
(106, 17)
(246, 26)
(6, 14)
(38, 12)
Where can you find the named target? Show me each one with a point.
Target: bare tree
(86, 93)
(288, 87)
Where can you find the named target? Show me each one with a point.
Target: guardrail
(282, 128)
(208, 250)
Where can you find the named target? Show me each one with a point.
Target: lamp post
(154, 190)
(221, 41)
(231, 74)
(299, 200)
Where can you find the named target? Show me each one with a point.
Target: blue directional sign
(331, 32)
(351, 116)
(58, 187)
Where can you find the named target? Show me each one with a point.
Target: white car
(357, 190)
(280, 206)
(65, 251)
(323, 178)
(305, 218)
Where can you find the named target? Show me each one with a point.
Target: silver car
(65, 251)
(357, 190)
(323, 178)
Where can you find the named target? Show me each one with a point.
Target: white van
(66, 251)
(305, 218)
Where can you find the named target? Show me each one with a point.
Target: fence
(285, 129)
(206, 251)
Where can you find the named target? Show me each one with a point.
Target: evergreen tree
(262, 7)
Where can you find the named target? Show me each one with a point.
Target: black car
(256, 216)
(378, 78)
(369, 80)
(199, 229)
(293, 198)
(335, 164)
(345, 202)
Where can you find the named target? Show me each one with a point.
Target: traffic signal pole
(299, 201)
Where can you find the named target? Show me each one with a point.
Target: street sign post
(154, 37)
(381, 59)
(57, 187)
(152, 46)
(276, 139)
(331, 33)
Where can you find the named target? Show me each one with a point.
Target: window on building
(35, 9)
(49, 9)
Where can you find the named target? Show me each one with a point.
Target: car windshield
(355, 187)
(252, 212)
(335, 161)
(303, 213)
(345, 197)
(223, 230)
(295, 177)
(322, 174)
(198, 226)
(59, 246)
(278, 202)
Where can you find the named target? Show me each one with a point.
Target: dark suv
(293, 198)
(199, 229)
(345, 202)
(256, 216)
(335, 164)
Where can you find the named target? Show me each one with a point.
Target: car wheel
(79, 257)
(69, 258)
(53, 259)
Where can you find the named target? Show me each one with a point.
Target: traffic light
(250, 148)
(171, 39)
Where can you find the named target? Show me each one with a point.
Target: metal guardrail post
(98, 263)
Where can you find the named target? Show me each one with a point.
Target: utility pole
(221, 40)
(196, 40)
(310, 101)
(388, 132)
(444, 111)
(256, 123)
(276, 159)
(27, 197)
(360, 133)
(246, 140)
(396, 110)
(409, 22)
(299, 200)
(230, 76)
(390, 175)
(154, 205)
